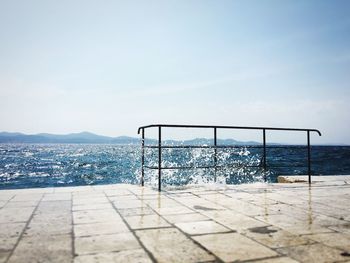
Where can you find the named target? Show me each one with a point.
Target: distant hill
(82, 137)
(87, 137)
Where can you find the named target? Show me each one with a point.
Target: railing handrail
(228, 127)
(215, 146)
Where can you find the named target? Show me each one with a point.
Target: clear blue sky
(111, 66)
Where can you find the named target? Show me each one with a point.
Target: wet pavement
(285, 222)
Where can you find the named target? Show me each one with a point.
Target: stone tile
(89, 200)
(100, 228)
(124, 198)
(134, 255)
(95, 216)
(162, 203)
(57, 197)
(142, 191)
(274, 237)
(304, 229)
(60, 217)
(277, 260)
(203, 205)
(27, 197)
(98, 206)
(173, 210)
(18, 204)
(13, 215)
(234, 247)
(240, 206)
(136, 211)
(54, 207)
(336, 240)
(73, 189)
(202, 227)
(4, 255)
(234, 221)
(87, 194)
(293, 225)
(118, 192)
(129, 204)
(43, 249)
(313, 253)
(248, 208)
(146, 221)
(170, 245)
(342, 228)
(33, 191)
(49, 227)
(9, 235)
(105, 243)
(5, 197)
(183, 218)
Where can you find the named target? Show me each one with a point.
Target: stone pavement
(128, 223)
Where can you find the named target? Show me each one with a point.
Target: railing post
(215, 153)
(143, 158)
(264, 154)
(159, 158)
(309, 156)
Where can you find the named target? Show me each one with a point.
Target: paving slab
(291, 222)
(139, 211)
(314, 253)
(14, 214)
(113, 227)
(183, 218)
(336, 240)
(43, 249)
(274, 237)
(92, 206)
(146, 221)
(202, 227)
(234, 247)
(170, 245)
(132, 255)
(105, 243)
(9, 234)
(19, 204)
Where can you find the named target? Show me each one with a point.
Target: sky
(109, 67)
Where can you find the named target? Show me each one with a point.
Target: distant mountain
(87, 137)
(82, 137)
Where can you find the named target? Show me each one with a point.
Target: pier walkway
(127, 223)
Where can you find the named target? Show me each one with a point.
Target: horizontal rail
(223, 146)
(220, 166)
(201, 167)
(226, 127)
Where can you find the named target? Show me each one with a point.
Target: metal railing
(214, 146)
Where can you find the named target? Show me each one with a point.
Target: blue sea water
(40, 165)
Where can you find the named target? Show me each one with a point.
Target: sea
(48, 165)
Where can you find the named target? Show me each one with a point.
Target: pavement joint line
(24, 229)
(293, 205)
(323, 225)
(265, 258)
(132, 231)
(151, 228)
(230, 231)
(7, 201)
(240, 233)
(217, 259)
